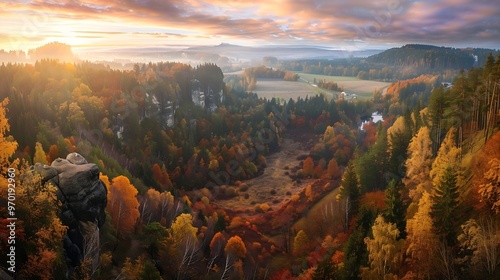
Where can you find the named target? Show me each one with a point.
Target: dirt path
(274, 186)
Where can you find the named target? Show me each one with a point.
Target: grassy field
(337, 79)
(305, 87)
(285, 89)
(363, 88)
(327, 211)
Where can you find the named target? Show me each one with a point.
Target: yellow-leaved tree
(7, 147)
(184, 243)
(384, 251)
(422, 242)
(418, 166)
(38, 209)
(40, 156)
(39, 232)
(182, 229)
(300, 243)
(448, 156)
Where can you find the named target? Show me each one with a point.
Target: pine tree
(437, 106)
(349, 191)
(395, 211)
(444, 208)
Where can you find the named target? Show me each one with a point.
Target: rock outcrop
(83, 199)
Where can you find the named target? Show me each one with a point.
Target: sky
(336, 24)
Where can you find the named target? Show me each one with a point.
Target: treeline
(53, 50)
(407, 62)
(329, 85)
(250, 76)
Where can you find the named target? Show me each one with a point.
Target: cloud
(264, 21)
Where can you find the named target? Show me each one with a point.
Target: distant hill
(432, 57)
(282, 52)
(54, 50)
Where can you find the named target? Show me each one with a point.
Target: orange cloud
(259, 21)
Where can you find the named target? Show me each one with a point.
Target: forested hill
(432, 57)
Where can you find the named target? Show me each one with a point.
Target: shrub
(262, 208)
(230, 192)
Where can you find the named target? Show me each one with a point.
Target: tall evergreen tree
(395, 211)
(437, 107)
(355, 251)
(444, 207)
(349, 191)
(374, 164)
(398, 138)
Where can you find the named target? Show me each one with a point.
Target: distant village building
(446, 84)
(348, 95)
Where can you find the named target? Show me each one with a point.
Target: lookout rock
(83, 199)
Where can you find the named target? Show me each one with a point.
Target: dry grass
(273, 187)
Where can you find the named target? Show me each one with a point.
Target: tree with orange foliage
(333, 170)
(484, 190)
(370, 134)
(235, 249)
(161, 176)
(373, 200)
(122, 204)
(216, 245)
(149, 205)
(71, 144)
(318, 171)
(53, 154)
(308, 167)
(490, 191)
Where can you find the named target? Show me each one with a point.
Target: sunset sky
(343, 24)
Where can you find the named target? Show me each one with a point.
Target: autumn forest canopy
(169, 170)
